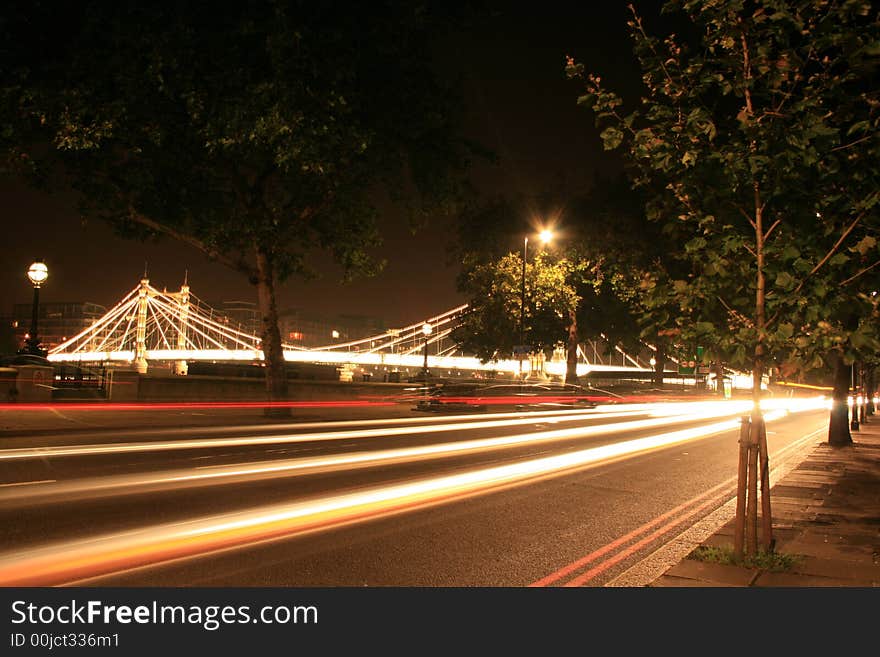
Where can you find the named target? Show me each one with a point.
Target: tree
(256, 132)
(489, 246)
(491, 326)
(629, 254)
(754, 130)
(758, 131)
(581, 287)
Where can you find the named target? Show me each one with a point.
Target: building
(298, 327)
(56, 322)
(305, 329)
(243, 316)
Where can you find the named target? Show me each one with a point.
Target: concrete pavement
(826, 511)
(826, 516)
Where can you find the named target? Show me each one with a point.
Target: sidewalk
(826, 513)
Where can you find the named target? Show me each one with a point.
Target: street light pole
(37, 273)
(546, 235)
(522, 304)
(426, 331)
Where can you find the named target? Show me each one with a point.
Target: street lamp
(37, 273)
(426, 331)
(545, 237)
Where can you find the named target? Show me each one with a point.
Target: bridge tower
(180, 366)
(140, 344)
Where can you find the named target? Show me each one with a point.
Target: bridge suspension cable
(149, 324)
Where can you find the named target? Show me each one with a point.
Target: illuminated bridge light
(174, 326)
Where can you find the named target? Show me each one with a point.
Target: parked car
(507, 396)
(23, 359)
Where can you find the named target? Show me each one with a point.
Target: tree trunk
(571, 375)
(273, 354)
(838, 425)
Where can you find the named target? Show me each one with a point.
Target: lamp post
(37, 273)
(546, 236)
(426, 331)
(522, 299)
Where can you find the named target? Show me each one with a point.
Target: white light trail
(94, 487)
(241, 441)
(705, 410)
(77, 560)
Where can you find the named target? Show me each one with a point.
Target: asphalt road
(515, 499)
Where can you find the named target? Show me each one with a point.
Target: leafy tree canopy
(756, 137)
(263, 122)
(255, 131)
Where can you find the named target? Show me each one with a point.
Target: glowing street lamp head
(38, 273)
(546, 236)
(427, 328)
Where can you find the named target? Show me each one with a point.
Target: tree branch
(237, 264)
(864, 271)
(831, 251)
(852, 143)
(797, 78)
(745, 215)
(735, 313)
(837, 244)
(770, 230)
(645, 36)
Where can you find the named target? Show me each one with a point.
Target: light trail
(185, 406)
(77, 560)
(707, 409)
(414, 427)
(115, 485)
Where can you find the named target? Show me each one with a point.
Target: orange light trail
(77, 560)
(437, 426)
(176, 406)
(94, 487)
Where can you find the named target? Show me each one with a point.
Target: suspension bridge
(157, 326)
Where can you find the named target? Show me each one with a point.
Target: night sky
(519, 105)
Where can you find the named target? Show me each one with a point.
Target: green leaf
(785, 280)
(785, 330)
(611, 137)
(860, 126)
(866, 245)
(790, 252)
(698, 244)
(587, 100)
